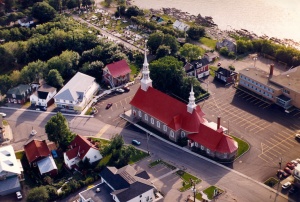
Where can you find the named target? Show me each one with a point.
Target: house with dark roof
(11, 171)
(122, 185)
(156, 19)
(197, 68)
(19, 94)
(79, 150)
(175, 120)
(77, 93)
(39, 155)
(43, 97)
(226, 76)
(283, 89)
(117, 73)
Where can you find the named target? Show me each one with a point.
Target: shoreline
(219, 33)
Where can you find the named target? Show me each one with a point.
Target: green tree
(224, 51)
(93, 69)
(54, 79)
(190, 52)
(15, 77)
(195, 32)
(43, 11)
(33, 72)
(38, 194)
(5, 84)
(8, 5)
(133, 11)
(171, 41)
(57, 130)
(56, 4)
(154, 41)
(163, 51)
(167, 74)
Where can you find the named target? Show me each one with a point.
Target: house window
(225, 155)
(158, 124)
(14, 95)
(202, 147)
(207, 151)
(182, 134)
(172, 133)
(140, 113)
(152, 120)
(95, 156)
(146, 117)
(165, 128)
(196, 144)
(141, 196)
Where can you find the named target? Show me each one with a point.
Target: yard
(211, 191)
(243, 146)
(187, 178)
(208, 42)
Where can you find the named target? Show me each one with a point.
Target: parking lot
(267, 128)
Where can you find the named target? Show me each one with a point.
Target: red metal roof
(170, 111)
(214, 140)
(174, 114)
(72, 153)
(83, 146)
(36, 149)
(119, 68)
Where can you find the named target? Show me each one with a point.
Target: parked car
(2, 114)
(119, 90)
(98, 190)
(297, 136)
(290, 165)
(19, 195)
(108, 105)
(288, 170)
(41, 109)
(293, 190)
(286, 185)
(135, 142)
(281, 174)
(126, 89)
(295, 162)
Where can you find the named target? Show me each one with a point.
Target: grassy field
(208, 42)
(243, 146)
(210, 191)
(186, 177)
(137, 156)
(271, 182)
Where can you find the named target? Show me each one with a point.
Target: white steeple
(191, 106)
(146, 81)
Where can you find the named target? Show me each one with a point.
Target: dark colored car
(126, 89)
(108, 105)
(288, 171)
(281, 174)
(135, 142)
(293, 190)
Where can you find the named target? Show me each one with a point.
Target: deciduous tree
(190, 52)
(38, 194)
(54, 79)
(43, 11)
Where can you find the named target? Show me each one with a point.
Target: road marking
(263, 146)
(260, 156)
(103, 129)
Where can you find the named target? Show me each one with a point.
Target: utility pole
(194, 188)
(148, 137)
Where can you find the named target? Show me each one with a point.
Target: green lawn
(89, 111)
(210, 191)
(271, 182)
(138, 155)
(19, 154)
(154, 163)
(243, 146)
(134, 69)
(186, 177)
(208, 42)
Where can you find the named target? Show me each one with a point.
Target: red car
(288, 171)
(108, 105)
(281, 174)
(290, 165)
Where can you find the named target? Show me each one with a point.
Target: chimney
(271, 70)
(219, 122)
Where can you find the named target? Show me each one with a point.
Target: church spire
(146, 81)
(191, 106)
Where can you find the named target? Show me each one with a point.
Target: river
(274, 18)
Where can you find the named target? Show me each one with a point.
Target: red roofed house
(39, 155)
(116, 73)
(177, 120)
(80, 149)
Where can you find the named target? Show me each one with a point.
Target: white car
(2, 114)
(119, 90)
(286, 185)
(19, 195)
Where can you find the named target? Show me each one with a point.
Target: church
(176, 120)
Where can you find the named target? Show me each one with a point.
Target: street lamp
(148, 137)
(194, 188)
